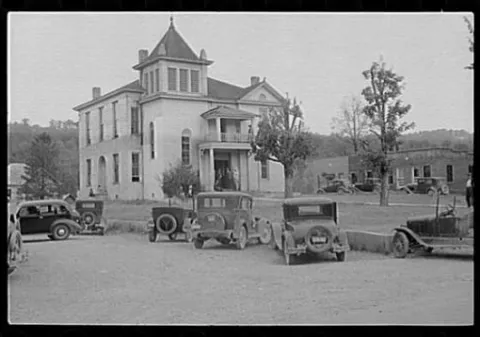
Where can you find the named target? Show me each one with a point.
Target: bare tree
(385, 110)
(351, 122)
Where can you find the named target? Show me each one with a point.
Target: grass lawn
(352, 216)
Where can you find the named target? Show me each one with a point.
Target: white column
(212, 171)
(217, 125)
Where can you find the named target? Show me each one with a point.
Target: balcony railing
(228, 137)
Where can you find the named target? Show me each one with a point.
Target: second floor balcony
(229, 137)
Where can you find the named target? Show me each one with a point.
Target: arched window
(152, 141)
(186, 136)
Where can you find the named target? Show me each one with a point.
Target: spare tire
(324, 241)
(166, 224)
(88, 218)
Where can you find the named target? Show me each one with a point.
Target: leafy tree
(281, 138)
(176, 180)
(41, 171)
(351, 123)
(384, 110)
(470, 39)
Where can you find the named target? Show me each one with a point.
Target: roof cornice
(203, 99)
(142, 65)
(105, 97)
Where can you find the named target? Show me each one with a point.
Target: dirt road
(126, 280)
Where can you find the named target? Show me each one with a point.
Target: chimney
(203, 54)
(254, 80)
(142, 55)
(96, 92)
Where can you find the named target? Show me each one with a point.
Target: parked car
(91, 214)
(55, 217)
(228, 218)
(309, 226)
(429, 186)
(339, 186)
(441, 230)
(14, 244)
(170, 221)
(369, 185)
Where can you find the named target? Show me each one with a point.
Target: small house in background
(69, 198)
(407, 166)
(15, 172)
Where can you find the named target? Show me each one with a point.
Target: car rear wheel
(198, 244)
(401, 245)
(431, 192)
(341, 191)
(14, 249)
(152, 235)
(341, 256)
(242, 238)
(60, 232)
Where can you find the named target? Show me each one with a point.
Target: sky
(55, 59)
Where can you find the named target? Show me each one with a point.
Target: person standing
(469, 191)
(236, 179)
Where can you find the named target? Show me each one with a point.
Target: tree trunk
(384, 189)
(288, 175)
(169, 202)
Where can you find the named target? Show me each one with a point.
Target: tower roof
(172, 46)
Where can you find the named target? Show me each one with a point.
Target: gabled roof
(15, 172)
(130, 87)
(227, 112)
(223, 90)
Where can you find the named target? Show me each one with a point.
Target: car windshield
(308, 211)
(218, 202)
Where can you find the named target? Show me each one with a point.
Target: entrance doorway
(222, 179)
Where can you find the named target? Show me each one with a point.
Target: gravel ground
(123, 279)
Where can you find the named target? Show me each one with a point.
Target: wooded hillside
(65, 133)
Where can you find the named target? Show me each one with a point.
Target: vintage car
(91, 214)
(441, 230)
(55, 217)
(339, 186)
(14, 244)
(369, 185)
(310, 225)
(170, 221)
(227, 217)
(429, 186)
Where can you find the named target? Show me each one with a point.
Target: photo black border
(8, 6)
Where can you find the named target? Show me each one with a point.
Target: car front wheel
(242, 238)
(400, 245)
(60, 232)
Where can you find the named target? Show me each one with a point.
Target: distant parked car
(228, 218)
(53, 217)
(429, 186)
(170, 221)
(309, 226)
(369, 185)
(91, 214)
(339, 186)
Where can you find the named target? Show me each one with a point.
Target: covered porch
(225, 167)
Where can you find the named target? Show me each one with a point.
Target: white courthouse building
(173, 112)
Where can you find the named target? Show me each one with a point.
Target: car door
(47, 217)
(29, 219)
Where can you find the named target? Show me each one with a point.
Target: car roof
(307, 201)
(224, 194)
(42, 202)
